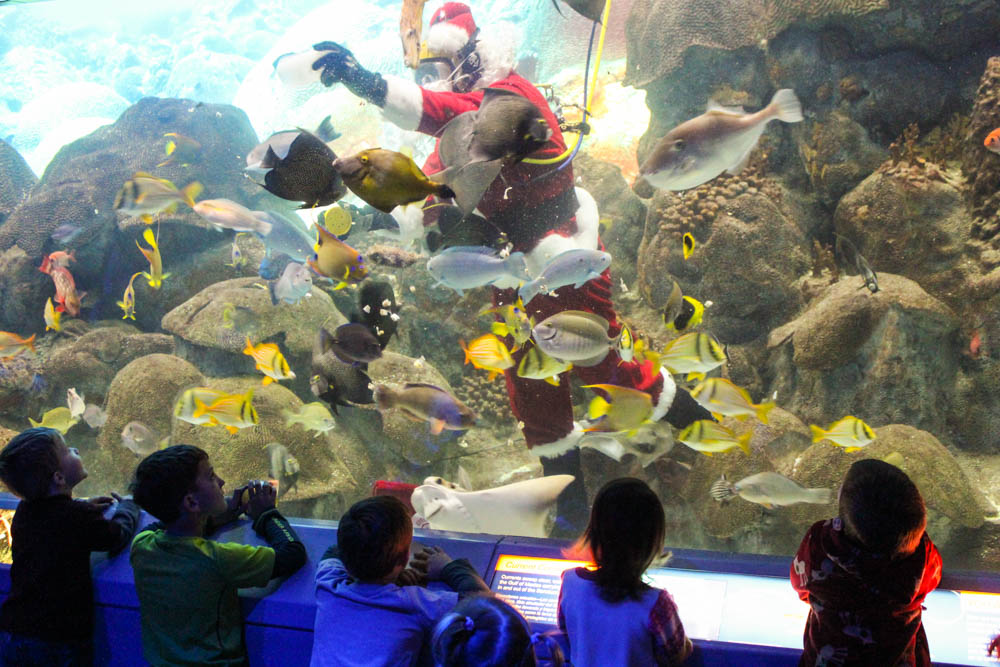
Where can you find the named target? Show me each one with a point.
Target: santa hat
(450, 29)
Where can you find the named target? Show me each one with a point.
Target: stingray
(305, 174)
(520, 508)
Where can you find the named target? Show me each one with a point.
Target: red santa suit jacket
(864, 609)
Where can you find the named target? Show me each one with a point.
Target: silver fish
(572, 267)
(465, 267)
(769, 489)
(75, 403)
(294, 284)
(226, 214)
(139, 439)
(94, 416)
(719, 140)
(576, 336)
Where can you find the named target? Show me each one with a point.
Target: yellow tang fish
(707, 437)
(515, 322)
(186, 405)
(12, 345)
(722, 397)
(156, 276)
(337, 220)
(61, 419)
(52, 316)
(489, 354)
(849, 432)
(627, 410)
(127, 303)
(536, 365)
(694, 354)
(234, 411)
(270, 362)
(336, 260)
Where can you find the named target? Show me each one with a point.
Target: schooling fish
(572, 267)
(625, 409)
(187, 404)
(850, 253)
(12, 345)
(352, 343)
(180, 150)
(145, 195)
(74, 402)
(140, 439)
(233, 411)
(709, 437)
(281, 142)
(694, 354)
(719, 140)
(487, 353)
(313, 417)
(294, 284)
(155, 276)
(127, 304)
(51, 316)
(387, 179)
(227, 214)
(336, 260)
(269, 361)
(305, 173)
(769, 489)
(992, 141)
(426, 403)
(61, 419)
(465, 267)
(721, 397)
(282, 467)
(576, 336)
(536, 365)
(848, 432)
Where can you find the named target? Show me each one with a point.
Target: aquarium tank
(488, 256)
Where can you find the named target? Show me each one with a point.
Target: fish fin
(170, 209)
(741, 163)
(190, 191)
(232, 430)
(817, 433)
(744, 442)
(468, 357)
(718, 417)
(852, 449)
(60, 308)
(553, 380)
(763, 409)
(598, 408)
(785, 106)
(492, 376)
(499, 329)
(34, 423)
(267, 380)
(695, 376)
(437, 425)
(556, 5)
(249, 348)
(149, 237)
(199, 408)
(721, 108)
(768, 506)
(147, 218)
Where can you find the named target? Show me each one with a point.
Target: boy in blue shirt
(187, 584)
(369, 610)
(48, 618)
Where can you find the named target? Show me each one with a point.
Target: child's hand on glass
(262, 497)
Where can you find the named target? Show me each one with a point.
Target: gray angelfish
(572, 267)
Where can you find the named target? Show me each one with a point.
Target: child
(484, 631)
(48, 618)
(609, 615)
(187, 584)
(368, 612)
(866, 573)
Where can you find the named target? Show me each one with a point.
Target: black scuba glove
(340, 66)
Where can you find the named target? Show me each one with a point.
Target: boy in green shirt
(187, 584)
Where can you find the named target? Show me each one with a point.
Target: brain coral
(660, 31)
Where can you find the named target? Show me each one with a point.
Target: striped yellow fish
(849, 432)
(269, 361)
(707, 437)
(627, 409)
(536, 365)
(488, 353)
(186, 405)
(722, 397)
(233, 411)
(694, 354)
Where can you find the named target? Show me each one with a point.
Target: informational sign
(748, 609)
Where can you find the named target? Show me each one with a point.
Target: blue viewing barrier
(739, 609)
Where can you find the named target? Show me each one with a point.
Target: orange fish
(66, 295)
(59, 259)
(992, 141)
(975, 345)
(12, 345)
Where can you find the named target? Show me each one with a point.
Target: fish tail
(785, 106)
(528, 291)
(499, 329)
(442, 191)
(249, 348)
(817, 433)
(598, 408)
(819, 496)
(763, 409)
(744, 442)
(465, 348)
(553, 380)
(30, 342)
(384, 397)
(190, 191)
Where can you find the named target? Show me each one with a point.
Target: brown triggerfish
(387, 179)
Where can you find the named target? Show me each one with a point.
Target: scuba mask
(460, 77)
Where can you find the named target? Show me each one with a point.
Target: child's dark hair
(374, 537)
(28, 462)
(882, 508)
(484, 631)
(163, 478)
(626, 532)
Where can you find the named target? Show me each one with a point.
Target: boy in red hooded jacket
(865, 574)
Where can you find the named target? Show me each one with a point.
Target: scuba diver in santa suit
(542, 215)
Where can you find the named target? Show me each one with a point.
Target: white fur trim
(587, 220)
(445, 39)
(497, 49)
(552, 449)
(404, 103)
(554, 244)
(666, 398)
